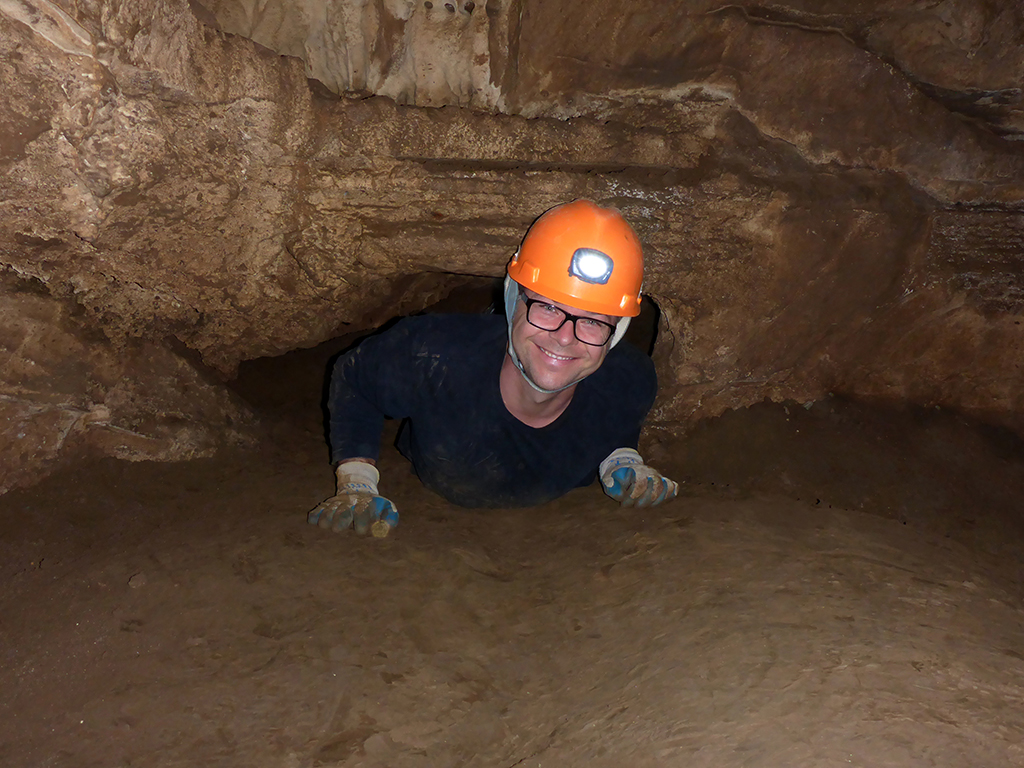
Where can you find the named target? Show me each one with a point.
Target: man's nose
(565, 335)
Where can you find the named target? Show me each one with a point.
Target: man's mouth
(553, 356)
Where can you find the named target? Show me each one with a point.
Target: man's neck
(533, 408)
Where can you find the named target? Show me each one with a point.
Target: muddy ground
(838, 585)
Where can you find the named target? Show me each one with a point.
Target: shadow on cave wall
(934, 470)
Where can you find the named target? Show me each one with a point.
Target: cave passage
(830, 211)
(291, 389)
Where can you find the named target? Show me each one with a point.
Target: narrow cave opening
(290, 389)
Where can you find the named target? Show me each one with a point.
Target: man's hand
(357, 503)
(629, 481)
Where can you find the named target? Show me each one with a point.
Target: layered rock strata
(826, 206)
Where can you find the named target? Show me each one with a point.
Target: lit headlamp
(591, 266)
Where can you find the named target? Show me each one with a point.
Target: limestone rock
(65, 391)
(829, 195)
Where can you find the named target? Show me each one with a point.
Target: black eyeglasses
(547, 317)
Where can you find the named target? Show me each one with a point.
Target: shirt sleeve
(633, 386)
(378, 379)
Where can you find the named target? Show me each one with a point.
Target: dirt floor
(837, 585)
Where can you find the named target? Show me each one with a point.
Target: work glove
(357, 503)
(629, 481)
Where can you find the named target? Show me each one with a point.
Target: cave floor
(185, 614)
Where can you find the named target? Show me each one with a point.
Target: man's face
(554, 359)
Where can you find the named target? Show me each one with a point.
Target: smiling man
(514, 411)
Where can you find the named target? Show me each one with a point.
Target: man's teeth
(552, 354)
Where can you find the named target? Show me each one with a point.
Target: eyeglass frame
(567, 316)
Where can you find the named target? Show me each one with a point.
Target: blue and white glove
(357, 503)
(629, 481)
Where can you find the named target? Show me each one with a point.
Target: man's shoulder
(627, 369)
(625, 357)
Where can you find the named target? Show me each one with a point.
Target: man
(508, 412)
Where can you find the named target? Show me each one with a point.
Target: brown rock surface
(829, 195)
(185, 615)
(68, 391)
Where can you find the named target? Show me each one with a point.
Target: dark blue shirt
(440, 373)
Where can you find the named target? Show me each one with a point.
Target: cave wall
(69, 392)
(829, 195)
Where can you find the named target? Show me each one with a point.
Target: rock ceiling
(829, 194)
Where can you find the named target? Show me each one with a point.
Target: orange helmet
(584, 256)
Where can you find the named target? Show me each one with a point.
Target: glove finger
(648, 490)
(640, 495)
(387, 518)
(622, 482)
(366, 513)
(341, 520)
(658, 489)
(668, 490)
(672, 489)
(324, 514)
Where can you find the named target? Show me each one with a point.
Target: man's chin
(552, 380)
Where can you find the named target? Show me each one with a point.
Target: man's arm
(623, 474)
(357, 400)
(368, 383)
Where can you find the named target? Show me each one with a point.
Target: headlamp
(591, 266)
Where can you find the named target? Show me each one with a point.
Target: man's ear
(620, 330)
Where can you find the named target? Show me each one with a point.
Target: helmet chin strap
(511, 298)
